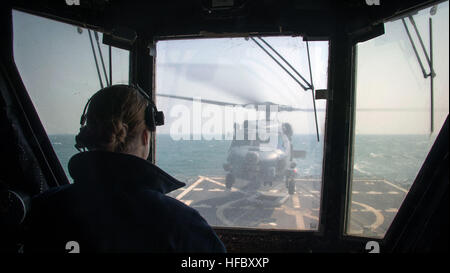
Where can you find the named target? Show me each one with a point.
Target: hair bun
(119, 135)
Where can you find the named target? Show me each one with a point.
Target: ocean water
(396, 158)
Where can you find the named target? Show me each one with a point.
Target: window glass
(393, 131)
(57, 66)
(236, 161)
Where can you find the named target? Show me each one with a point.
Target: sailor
(118, 200)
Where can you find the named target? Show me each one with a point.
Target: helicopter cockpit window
(241, 131)
(399, 113)
(57, 65)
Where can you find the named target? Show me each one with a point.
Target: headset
(153, 117)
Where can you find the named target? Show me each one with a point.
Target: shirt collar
(129, 170)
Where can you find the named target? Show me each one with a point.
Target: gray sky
(236, 70)
(58, 69)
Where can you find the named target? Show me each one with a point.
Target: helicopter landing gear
(290, 175)
(229, 180)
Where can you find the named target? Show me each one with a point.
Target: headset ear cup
(159, 118)
(80, 139)
(150, 118)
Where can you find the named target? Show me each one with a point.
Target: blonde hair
(115, 116)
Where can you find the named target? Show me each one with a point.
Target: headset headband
(153, 117)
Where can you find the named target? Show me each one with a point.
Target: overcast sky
(236, 70)
(58, 69)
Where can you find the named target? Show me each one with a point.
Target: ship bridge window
(58, 68)
(399, 113)
(210, 89)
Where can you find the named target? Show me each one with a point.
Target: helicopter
(261, 150)
(263, 160)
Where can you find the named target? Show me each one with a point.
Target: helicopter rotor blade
(281, 108)
(220, 103)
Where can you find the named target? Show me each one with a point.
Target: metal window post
(142, 74)
(337, 148)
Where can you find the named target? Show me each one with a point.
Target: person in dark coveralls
(118, 200)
